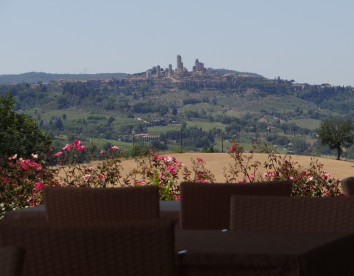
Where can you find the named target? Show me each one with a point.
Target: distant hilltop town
(181, 74)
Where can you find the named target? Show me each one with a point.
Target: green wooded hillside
(187, 115)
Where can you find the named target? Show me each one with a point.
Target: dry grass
(216, 162)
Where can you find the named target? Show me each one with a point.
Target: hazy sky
(306, 40)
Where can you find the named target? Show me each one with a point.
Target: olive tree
(336, 133)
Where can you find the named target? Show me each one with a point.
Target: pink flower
(81, 148)
(162, 157)
(202, 180)
(251, 175)
(34, 156)
(169, 159)
(326, 176)
(242, 181)
(89, 168)
(4, 180)
(67, 147)
(232, 147)
(102, 152)
(176, 197)
(39, 185)
(34, 164)
(156, 156)
(114, 148)
(138, 183)
(13, 157)
(58, 153)
(270, 174)
(87, 177)
(171, 169)
(305, 173)
(25, 164)
(100, 176)
(76, 143)
(55, 183)
(199, 159)
(159, 175)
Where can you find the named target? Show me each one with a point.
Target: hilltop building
(199, 67)
(179, 63)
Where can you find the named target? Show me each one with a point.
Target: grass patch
(206, 126)
(163, 129)
(311, 124)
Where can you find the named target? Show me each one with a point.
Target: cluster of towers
(198, 68)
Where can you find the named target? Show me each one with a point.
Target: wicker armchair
(132, 248)
(207, 205)
(11, 261)
(348, 186)
(292, 214)
(82, 205)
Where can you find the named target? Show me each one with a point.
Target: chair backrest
(207, 205)
(11, 261)
(347, 185)
(69, 204)
(131, 248)
(292, 214)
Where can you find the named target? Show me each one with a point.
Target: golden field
(216, 162)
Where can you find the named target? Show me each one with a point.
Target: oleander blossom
(66, 147)
(81, 148)
(139, 183)
(39, 185)
(13, 157)
(76, 144)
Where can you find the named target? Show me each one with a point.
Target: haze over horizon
(308, 41)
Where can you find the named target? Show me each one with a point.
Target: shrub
(21, 180)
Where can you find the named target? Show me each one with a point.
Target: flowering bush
(21, 180)
(71, 172)
(312, 181)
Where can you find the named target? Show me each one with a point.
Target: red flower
(76, 143)
(67, 147)
(171, 169)
(39, 185)
(58, 153)
(81, 148)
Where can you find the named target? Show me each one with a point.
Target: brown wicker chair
(292, 214)
(207, 205)
(69, 204)
(11, 261)
(348, 186)
(131, 248)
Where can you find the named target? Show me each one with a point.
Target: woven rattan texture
(68, 204)
(11, 261)
(207, 205)
(292, 214)
(141, 248)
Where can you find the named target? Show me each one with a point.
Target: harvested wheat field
(216, 162)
